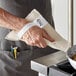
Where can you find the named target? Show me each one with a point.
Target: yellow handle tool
(15, 53)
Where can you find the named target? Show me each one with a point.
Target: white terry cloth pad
(35, 17)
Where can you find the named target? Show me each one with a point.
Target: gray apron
(21, 8)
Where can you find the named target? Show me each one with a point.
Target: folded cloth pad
(35, 17)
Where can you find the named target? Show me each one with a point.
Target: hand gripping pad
(59, 43)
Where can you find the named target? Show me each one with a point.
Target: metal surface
(39, 74)
(42, 64)
(54, 71)
(62, 69)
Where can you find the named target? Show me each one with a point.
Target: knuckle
(38, 38)
(35, 41)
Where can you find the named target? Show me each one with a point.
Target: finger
(28, 41)
(33, 41)
(39, 42)
(38, 45)
(45, 35)
(42, 43)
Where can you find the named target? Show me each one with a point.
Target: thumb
(46, 36)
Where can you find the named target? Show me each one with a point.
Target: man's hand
(35, 37)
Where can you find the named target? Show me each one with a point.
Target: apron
(21, 8)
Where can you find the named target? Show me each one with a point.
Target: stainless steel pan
(70, 52)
